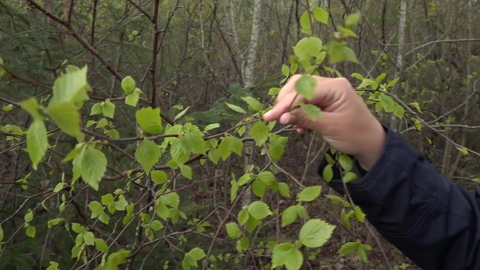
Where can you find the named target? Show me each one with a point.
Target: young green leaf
(31, 231)
(253, 104)
(349, 177)
(321, 15)
(328, 173)
(147, 154)
(132, 99)
(37, 142)
(243, 216)
(70, 87)
(96, 208)
(347, 31)
(346, 162)
(197, 253)
(108, 109)
(308, 47)
(156, 225)
(315, 233)
(186, 171)
(290, 215)
(346, 219)
(91, 164)
(313, 112)
(149, 120)
(285, 70)
(259, 132)
(277, 147)
(101, 245)
(352, 19)
(258, 188)
(309, 194)
(128, 85)
(232, 230)
(359, 214)
(283, 189)
(236, 108)
(305, 20)
(107, 199)
(67, 118)
(338, 52)
(29, 216)
(387, 102)
(267, 178)
(348, 248)
(259, 210)
(287, 254)
(159, 177)
(180, 114)
(305, 86)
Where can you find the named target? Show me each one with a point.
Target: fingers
(282, 106)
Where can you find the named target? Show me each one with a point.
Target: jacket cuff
(365, 178)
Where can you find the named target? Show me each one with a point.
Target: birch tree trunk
(249, 81)
(401, 47)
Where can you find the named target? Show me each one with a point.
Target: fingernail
(267, 114)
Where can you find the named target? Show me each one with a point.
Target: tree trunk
(399, 63)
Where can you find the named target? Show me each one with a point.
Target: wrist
(375, 144)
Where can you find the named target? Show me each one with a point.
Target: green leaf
(313, 112)
(259, 210)
(267, 178)
(287, 254)
(236, 108)
(53, 266)
(101, 245)
(179, 115)
(96, 208)
(107, 199)
(305, 86)
(309, 194)
(346, 162)
(89, 238)
(361, 253)
(315, 233)
(273, 91)
(348, 248)
(399, 111)
(148, 153)
(128, 85)
(320, 15)
(171, 199)
(197, 253)
(232, 230)
(243, 244)
(338, 52)
(245, 179)
(96, 109)
(392, 83)
(113, 133)
(346, 219)
(230, 144)
(368, 83)
(132, 99)
(233, 191)
(186, 171)
(33, 108)
(308, 47)
(381, 78)
(149, 120)
(211, 127)
(283, 189)
(285, 70)
(70, 87)
(243, 216)
(188, 261)
(29, 216)
(214, 155)
(416, 106)
(37, 142)
(258, 188)
(328, 173)
(347, 31)
(67, 118)
(58, 187)
(290, 215)
(259, 132)
(349, 177)
(387, 102)
(76, 227)
(104, 218)
(277, 147)
(92, 165)
(156, 225)
(162, 210)
(358, 76)
(102, 123)
(305, 20)
(31, 231)
(352, 19)
(159, 177)
(1, 233)
(108, 109)
(253, 104)
(359, 214)
(194, 141)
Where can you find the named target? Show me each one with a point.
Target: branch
(141, 9)
(442, 41)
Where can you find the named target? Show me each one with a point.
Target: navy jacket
(433, 221)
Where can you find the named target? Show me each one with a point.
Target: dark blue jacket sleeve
(433, 221)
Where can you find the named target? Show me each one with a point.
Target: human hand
(346, 124)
